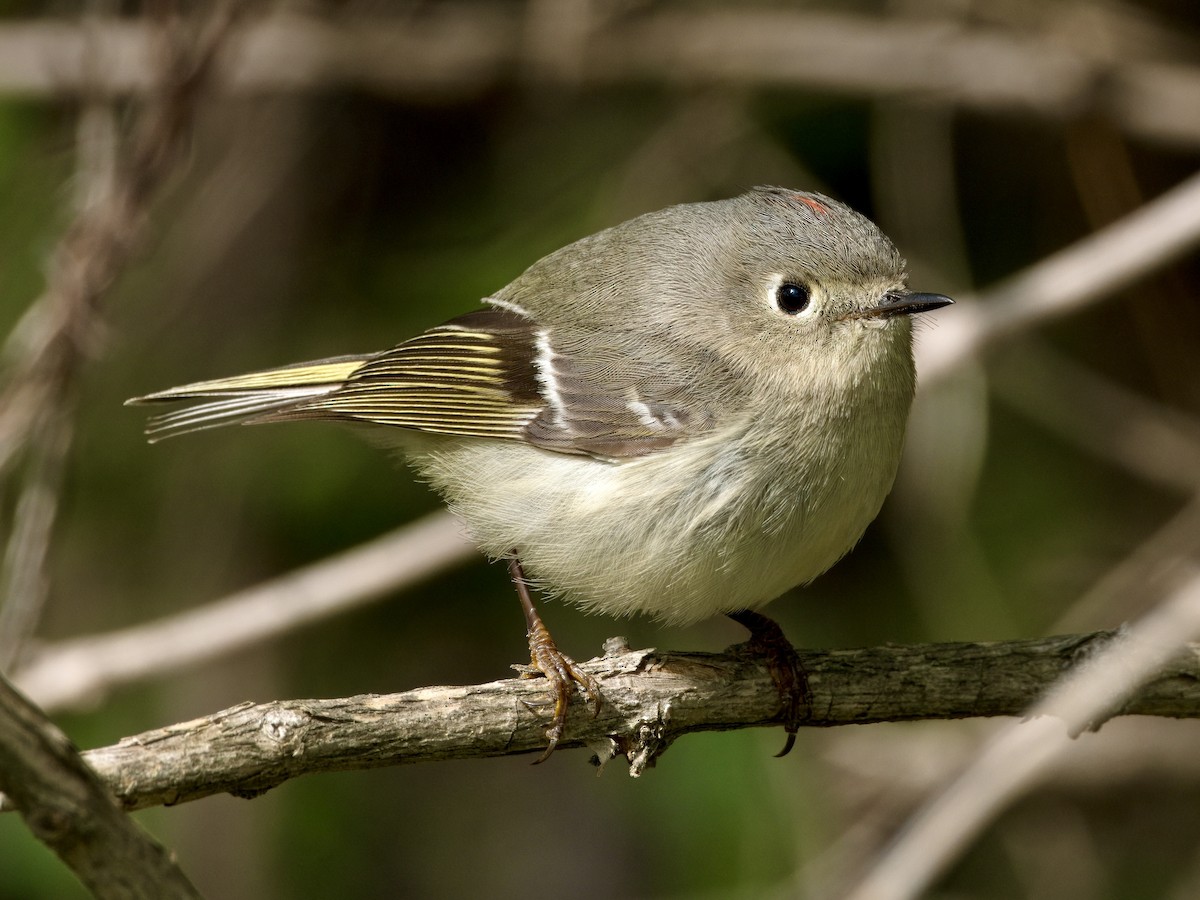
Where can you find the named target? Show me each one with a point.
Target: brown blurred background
(365, 170)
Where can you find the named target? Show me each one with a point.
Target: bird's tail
(246, 399)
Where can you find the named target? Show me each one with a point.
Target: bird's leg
(560, 670)
(768, 640)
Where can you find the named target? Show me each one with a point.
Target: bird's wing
(490, 374)
(469, 377)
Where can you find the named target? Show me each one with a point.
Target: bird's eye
(792, 298)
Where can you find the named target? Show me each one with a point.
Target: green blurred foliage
(322, 225)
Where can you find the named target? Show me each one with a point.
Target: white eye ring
(793, 297)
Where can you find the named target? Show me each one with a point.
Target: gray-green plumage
(639, 415)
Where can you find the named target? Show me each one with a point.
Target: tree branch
(651, 698)
(66, 806)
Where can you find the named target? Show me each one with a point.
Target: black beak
(904, 303)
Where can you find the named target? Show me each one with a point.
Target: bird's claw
(562, 673)
(768, 641)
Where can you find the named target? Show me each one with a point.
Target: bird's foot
(562, 672)
(768, 641)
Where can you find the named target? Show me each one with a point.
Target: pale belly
(679, 535)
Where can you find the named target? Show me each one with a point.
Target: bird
(683, 415)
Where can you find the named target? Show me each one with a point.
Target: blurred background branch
(81, 672)
(1023, 752)
(1096, 267)
(44, 356)
(1079, 59)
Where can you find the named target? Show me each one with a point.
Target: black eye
(792, 298)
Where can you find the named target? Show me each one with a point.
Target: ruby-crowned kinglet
(683, 415)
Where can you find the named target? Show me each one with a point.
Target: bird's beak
(903, 303)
